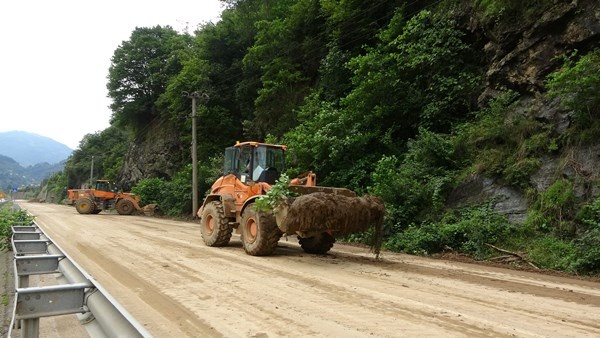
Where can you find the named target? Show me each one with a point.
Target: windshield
(105, 186)
(267, 159)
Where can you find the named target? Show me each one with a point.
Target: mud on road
(175, 286)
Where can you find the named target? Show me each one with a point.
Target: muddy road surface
(175, 286)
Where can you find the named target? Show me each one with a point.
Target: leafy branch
(279, 193)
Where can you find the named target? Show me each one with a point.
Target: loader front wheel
(85, 206)
(214, 226)
(124, 207)
(260, 233)
(318, 244)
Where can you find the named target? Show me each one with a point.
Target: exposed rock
(152, 157)
(478, 189)
(581, 167)
(547, 174)
(522, 56)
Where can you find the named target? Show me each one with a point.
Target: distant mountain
(13, 175)
(30, 149)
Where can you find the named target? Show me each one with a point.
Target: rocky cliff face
(158, 155)
(520, 57)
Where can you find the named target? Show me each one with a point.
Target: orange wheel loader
(316, 216)
(104, 197)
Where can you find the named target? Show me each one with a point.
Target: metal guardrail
(36, 254)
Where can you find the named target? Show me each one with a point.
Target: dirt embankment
(175, 286)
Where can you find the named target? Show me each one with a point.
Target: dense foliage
(577, 84)
(108, 149)
(383, 97)
(8, 218)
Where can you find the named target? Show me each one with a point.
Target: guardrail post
(30, 328)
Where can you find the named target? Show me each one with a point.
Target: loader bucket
(305, 190)
(336, 213)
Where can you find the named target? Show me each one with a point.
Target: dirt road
(162, 273)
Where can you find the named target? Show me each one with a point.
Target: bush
(550, 252)
(588, 252)
(476, 227)
(173, 197)
(8, 218)
(576, 83)
(416, 240)
(588, 244)
(150, 190)
(468, 231)
(553, 208)
(415, 188)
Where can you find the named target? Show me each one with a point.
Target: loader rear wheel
(319, 244)
(85, 206)
(260, 233)
(214, 226)
(124, 207)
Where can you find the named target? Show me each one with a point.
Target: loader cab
(254, 161)
(104, 185)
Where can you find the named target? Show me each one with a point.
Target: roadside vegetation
(377, 96)
(9, 217)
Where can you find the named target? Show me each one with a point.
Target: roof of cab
(256, 144)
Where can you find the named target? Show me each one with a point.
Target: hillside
(477, 122)
(29, 149)
(26, 159)
(13, 175)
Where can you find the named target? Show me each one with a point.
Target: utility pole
(194, 96)
(91, 172)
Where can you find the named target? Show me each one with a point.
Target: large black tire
(85, 206)
(318, 244)
(214, 226)
(125, 207)
(260, 233)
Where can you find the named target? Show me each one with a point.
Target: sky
(55, 56)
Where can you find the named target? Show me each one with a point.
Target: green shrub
(467, 231)
(588, 244)
(576, 83)
(476, 227)
(588, 251)
(552, 209)
(549, 252)
(415, 189)
(416, 240)
(589, 214)
(8, 218)
(150, 190)
(174, 197)
(538, 220)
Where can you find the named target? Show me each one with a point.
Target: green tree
(108, 148)
(140, 70)
(285, 57)
(422, 74)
